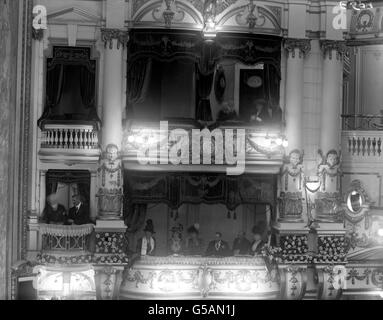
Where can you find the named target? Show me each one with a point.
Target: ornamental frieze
(303, 46)
(108, 35)
(329, 47)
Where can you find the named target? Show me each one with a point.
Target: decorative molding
(108, 35)
(37, 34)
(293, 281)
(291, 44)
(328, 46)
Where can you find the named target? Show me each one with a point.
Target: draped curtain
(204, 86)
(138, 79)
(55, 84)
(87, 87)
(272, 85)
(134, 216)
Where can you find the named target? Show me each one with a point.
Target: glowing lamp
(380, 232)
(312, 183)
(285, 143)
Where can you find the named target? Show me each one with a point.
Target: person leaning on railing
(79, 213)
(54, 213)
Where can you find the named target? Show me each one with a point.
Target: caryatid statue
(328, 202)
(292, 184)
(110, 180)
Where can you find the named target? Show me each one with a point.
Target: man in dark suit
(218, 247)
(241, 246)
(79, 213)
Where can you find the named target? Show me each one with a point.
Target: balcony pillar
(110, 241)
(328, 198)
(291, 184)
(110, 170)
(296, 50)
(333, 52)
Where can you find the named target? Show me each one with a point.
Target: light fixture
(131, 139)
(279, 141)
(380, 232)
(312, 183)
(209, 31)
(285, 143)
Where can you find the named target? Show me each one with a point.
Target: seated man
(79, 213)
(261, 112)
(218, 247)
(258, 243)
(194, 244)
(54, 212)
(241, 245)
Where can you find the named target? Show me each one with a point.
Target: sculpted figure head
(332, 158)
(111, 152)
(295, 157)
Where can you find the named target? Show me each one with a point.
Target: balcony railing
(362, 137)
(362, 122)
(69, 142)
(263, 147)
(63, 136)
(61, 238)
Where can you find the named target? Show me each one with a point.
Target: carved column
(110, 170)
(291, 183)
(333, 52)
(296, 50)
(110, 241)
(293, 282)
(108, 281)
(328, 202)
(330, 280)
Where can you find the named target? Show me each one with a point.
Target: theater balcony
(146, 145)
(74, 141)
(64, 244)
(362, 138)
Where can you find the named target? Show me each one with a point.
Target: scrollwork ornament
(328, 46)
(108, 35)
(303, 45)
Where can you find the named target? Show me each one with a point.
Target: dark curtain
(87, 87)
(272, 85)
(134, 216)
(204, 86)
(55, 85)
(51, 188)
(272, 80)
(84, 190)
(135, 83)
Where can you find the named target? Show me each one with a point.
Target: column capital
(108, 35)
(328, 46)
(303, 45)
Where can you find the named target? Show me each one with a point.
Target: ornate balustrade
(263, 148)
(65, 244)
(362, 145)
(363, 122)
(69, 137)
(69, 140)
(199, 277)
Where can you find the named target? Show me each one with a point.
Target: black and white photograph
(208, 152)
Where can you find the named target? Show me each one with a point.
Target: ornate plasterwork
(328, 46)
(303, 46)
(168, 12)
(108, 35)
